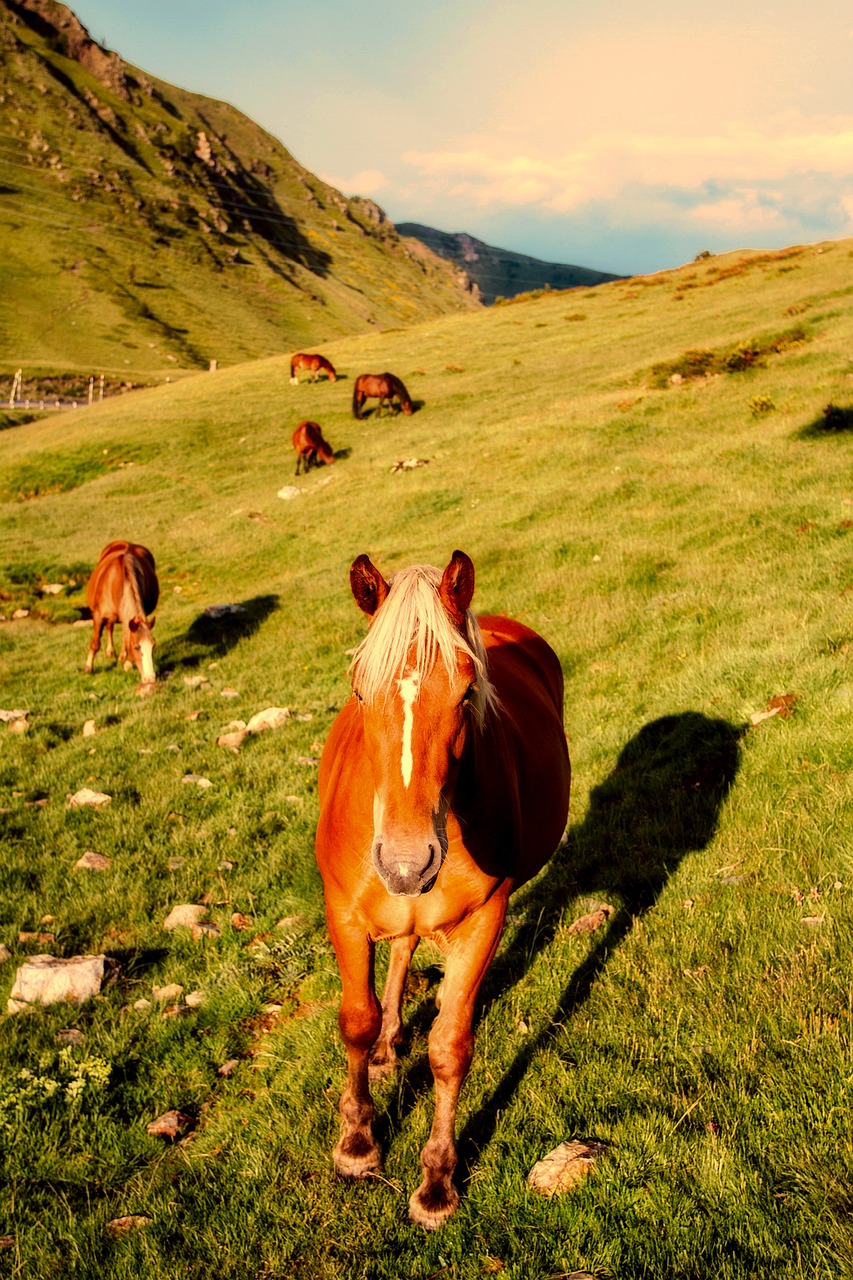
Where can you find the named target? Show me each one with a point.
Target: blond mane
(413, 614)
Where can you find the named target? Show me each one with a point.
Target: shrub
(760, 405)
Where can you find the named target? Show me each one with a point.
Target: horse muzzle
(408, 871)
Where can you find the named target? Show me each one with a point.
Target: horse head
(140, 647)
(419, 679)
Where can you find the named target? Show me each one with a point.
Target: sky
(609, 134)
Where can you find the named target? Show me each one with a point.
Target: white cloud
(364, 182)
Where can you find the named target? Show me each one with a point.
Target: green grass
(689, 561)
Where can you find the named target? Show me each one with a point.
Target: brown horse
(124, 588)
(310, 445)
(315, 364)
(444, 785)
(386, 386)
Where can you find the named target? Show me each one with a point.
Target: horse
(310, 445)
(124, 588)
(384, 385)
(444, 785)
(315, 364)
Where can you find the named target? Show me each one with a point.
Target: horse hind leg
(383, 1055)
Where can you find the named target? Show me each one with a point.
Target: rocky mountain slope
(148, 229)
(500, 273)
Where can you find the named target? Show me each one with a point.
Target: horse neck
(131, 595)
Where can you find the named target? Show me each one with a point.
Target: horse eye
(469, 694)
(357, 695)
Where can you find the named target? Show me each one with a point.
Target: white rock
(89, 729)
(8, 716)
(86, 796)
(197, 780)
(19, 726)
(195, 999)
(141, 1005)
(5, 953)
(289, 491)
(50, 588)
(565, 1167)
(49, 979)
(185, 916)
(270, 718)
(171, 992)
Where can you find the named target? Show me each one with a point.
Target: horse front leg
(383, 1055)
(94, 644)
(451, 1048)
(357, 1153)
(110, 650)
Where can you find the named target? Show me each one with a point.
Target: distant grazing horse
(384, 385)
(310, 445)
(124, 588)
(314, 364)
(444, 785)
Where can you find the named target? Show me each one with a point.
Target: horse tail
(292, 366)
(356, 401)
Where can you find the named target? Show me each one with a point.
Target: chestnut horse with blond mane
(315, 364)
(311, 447)
(124, 588)
(444, 785)
(386, 386)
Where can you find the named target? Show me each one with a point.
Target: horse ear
(368, 586)
(151, 622)
(457, 586)
(134, 625)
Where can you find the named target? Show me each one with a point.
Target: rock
(50, 588)
(89, 729)
(43, 939)
(70, 1035)
(171, 991)
(171, 1125)
(5, 953)
(141, 1005)
(270, 718)
(232, 741)
(288, 492)
(185, 916)
(408, 464)
(195, 999)
(229, 692)
(196, 682)
(204, 931)
(565, 1167)
(91, 861)
(50, 980)
(123, 1226)
(20, 613)
(19, 726)
(175, 864)
(86, 796)
(227, 1068)
(8, 717)
(240, 922)
(195, 779)
(592, 920)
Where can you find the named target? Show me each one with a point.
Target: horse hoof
(430, 1207)
(357, 1157)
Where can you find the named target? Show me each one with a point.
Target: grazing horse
(384, 385)
(315, 364)
(444, 785)
(124, 588)
(310, 445)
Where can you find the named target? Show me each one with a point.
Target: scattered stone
(7, 717)
(229, 692)
(240, 922)
(192, 715)
(171, 991)
(197, 780)
(194, 999)
(288, 492)
(175, 864)
(51, 588)
(89, 729)
(21, 613)
(227, 1068)
(232, 741)
(592, 920)
(18, 726)
(171, 1125)
(270, 718)
(184, 916)
(288, 922)
(123, 1226)
(91, 861)
(43, 939)
(141, 1005)
(86, 796)
(50, 980)
(307, 760)
(565, 1167)
(204, 931)
(223, 610)
(226, 866)
(408, 464)
(811, 922)
(70, 1035)
(197, 682)
(5, 953)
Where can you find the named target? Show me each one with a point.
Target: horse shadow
(215, 632)
(341, 455)
(661, 801)
(835, 420)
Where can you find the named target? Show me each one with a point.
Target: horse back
(119, 560)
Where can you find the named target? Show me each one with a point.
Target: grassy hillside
(656, 474)
(148, 230)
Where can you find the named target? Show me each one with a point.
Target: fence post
(91, 390)
(16, 388)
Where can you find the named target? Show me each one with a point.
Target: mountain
(499, 273)
(148, 229)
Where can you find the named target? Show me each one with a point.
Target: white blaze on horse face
(408, 687)
(146, 648)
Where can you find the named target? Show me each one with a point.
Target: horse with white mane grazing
(124, 588)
